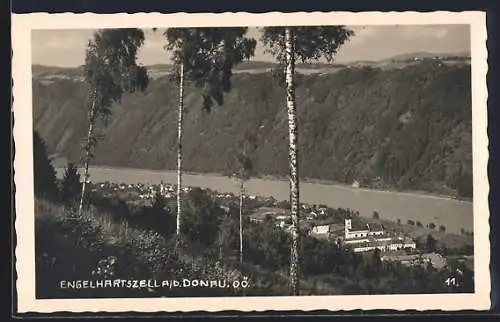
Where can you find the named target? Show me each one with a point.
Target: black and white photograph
(275, 161)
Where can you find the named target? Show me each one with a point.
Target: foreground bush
(44, 173)
(93, 247)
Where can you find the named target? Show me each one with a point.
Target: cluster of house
(259, 215)
(143, 191)
(229, 196)
(393, 247)
(116, 187)
(365, 238)
(148, 192)
(281, 217)
(359, 237)
(166, 190)
(434, 259)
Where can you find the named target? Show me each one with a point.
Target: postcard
(251, 162)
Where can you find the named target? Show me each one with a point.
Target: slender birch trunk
(293, 158)
(241, 219)
(179, 147)
(88, 147)
(221, 251)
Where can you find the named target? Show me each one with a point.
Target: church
(372, 236)
(368, 230)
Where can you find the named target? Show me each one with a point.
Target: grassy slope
(69, 248)
(446, 239)
(410, 126)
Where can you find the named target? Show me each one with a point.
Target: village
(344, 228)
(362, 237)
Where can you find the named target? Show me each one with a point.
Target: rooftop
(319, 227)
(358, 225)
(374, 241)
(263, 211)
(436, 259)
(376, 227)
(401, 258)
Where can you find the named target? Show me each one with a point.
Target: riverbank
(455, 215)
(412, 193)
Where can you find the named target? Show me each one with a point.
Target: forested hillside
(407, 128)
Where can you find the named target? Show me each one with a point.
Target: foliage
(208, 56)
(311, 43)
(157, 217)
(110, 66)
(110, 70)
(93, 247)
(431, 243)
(44, 173)
(202, 217)
(284, 204)
(267, 246)
(240, 165)
(228, 240)
(117, 209)
(318, 256)
(70, 184)
(464, 184)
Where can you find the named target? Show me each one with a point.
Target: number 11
(450, 281)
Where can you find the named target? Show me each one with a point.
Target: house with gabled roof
(320, 230)
(371, 236)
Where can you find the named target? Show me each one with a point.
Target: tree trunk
(241, 219)
(88, 147)
(293, 158)
(179, 149)
(221, 246)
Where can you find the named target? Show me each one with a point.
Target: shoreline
(307, 181)
(452, 213)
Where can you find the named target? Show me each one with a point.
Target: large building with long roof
(364, 238)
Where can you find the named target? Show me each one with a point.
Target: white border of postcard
(23, 24)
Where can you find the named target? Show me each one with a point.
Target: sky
(66, 48)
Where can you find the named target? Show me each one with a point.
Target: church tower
(162, 188)
(348, 226)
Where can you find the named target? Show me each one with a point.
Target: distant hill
(405, 128)
(48, 73)
(243, 65)
(41, 70)
(429, 55)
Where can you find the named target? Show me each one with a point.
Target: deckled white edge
(22, 24)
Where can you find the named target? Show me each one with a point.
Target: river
(453, 214)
